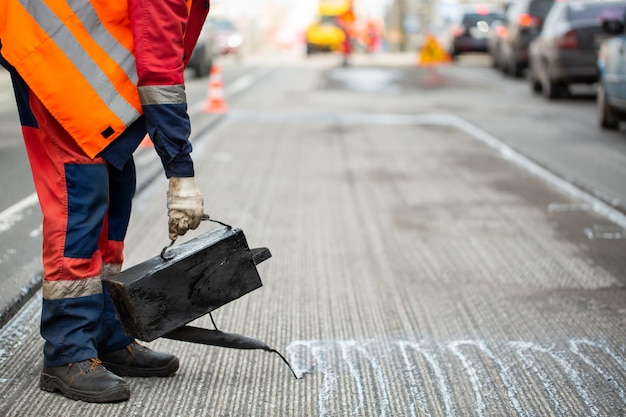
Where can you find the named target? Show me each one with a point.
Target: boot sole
(112, 395)
(164, 371)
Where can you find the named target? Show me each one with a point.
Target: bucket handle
(204, 217)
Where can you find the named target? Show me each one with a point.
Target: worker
(345, 22)
(90, 79)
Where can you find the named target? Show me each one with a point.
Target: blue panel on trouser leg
(87, 195)
(112, 336)
(70, 327)
(121, 191)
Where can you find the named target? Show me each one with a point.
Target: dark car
(524, 20)
(201, 60)
(566, 50)
(611, 97)
(470, 31)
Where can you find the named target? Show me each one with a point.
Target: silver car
(611, 97)
(566, 50)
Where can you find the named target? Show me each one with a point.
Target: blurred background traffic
(555, 45)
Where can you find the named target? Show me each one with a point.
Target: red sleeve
(197, 15)
(158, 33)
(164, 33)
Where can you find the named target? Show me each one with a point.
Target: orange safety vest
(77, 57)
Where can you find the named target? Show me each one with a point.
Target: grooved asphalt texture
(414, 272)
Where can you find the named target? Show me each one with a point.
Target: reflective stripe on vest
(78, 62)
(118, 52)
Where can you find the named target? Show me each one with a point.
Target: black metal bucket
(159, 296)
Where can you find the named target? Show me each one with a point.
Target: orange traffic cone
(215, 101)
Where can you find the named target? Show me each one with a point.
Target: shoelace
(95, 362)
(131, 348)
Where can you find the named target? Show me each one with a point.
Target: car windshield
(224, 25)
(470, 19)
(328, 20)
(540, 8)
(585, 11)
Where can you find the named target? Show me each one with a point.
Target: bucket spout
(222, 339)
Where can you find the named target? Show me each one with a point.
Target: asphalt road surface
(431, 256)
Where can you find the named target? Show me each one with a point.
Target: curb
(22, 298)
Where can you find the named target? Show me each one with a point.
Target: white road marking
(437, 371)
(14, 214)
(343, 360)
(608, 376)
(472, 373)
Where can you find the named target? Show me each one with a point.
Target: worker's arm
(164, 34)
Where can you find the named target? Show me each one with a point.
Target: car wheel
(504, 67)
(553, 89)
(204, 64)
(514, 68)
(535, 85)
(607, 118)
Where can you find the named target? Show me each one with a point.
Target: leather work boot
(138, 360)
(87, 381)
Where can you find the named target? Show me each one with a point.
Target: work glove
(185, 206)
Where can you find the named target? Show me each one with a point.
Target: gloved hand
(185, 206)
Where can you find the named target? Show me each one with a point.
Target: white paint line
(568, 208)
(471, 373)
(551, 366)
(437, 370)
(602, 232)
(510, 154)
(571, 374)
(36, 232)
(14, 214)
(329, 382)
(520, 348)
(356, 375)
(292, 352)
(384, 400)
(510, 388)
(574, 346)
(413, 384)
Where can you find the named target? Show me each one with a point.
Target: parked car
(203, 54)
(469, 31)
(566, 50)
(497, 32)
(524, 20)
(228, 39)
(611, 97)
